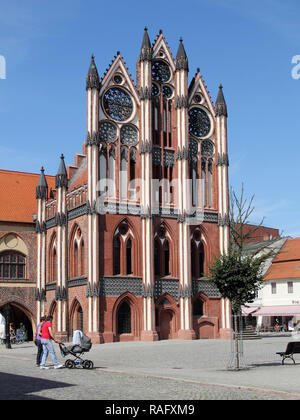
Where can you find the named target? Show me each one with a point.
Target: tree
(238, 275)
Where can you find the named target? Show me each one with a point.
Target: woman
(38, 341)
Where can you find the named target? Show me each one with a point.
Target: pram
(81, 344)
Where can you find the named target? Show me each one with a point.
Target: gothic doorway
(124, 319)
(18, 317)
(165, 325)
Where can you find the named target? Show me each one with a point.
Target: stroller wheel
(69, 364)
(88, 364)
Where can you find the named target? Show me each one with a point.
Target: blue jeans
(48, 348)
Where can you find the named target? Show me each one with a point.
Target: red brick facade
(138, 269)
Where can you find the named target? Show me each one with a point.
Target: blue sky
(247, 45)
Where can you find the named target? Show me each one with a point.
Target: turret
(181, 58)
(92, 79)
(61, 179)
(42, 187)
(221, 108)
(146, 50)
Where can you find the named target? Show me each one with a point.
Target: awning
(247, 310)
(288, 310)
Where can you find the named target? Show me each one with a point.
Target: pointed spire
(181, 58)
(221, 108)
(61, 176)
(92, 79)
(42, 187)
(146, 50)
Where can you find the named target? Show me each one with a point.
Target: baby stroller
(81, 344)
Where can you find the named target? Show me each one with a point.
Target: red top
(45, 330)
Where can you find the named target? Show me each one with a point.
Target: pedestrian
(46, 339)
(38, 341)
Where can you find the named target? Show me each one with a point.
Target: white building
(278, 301)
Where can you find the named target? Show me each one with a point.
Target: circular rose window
(107, 131)
(117, 104)
(199, 122)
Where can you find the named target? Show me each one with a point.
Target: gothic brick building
(18, 250)
(126, 235)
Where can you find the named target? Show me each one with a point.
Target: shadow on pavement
(18, 387)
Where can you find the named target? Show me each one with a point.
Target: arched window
(197, 255)
(116, 256)
(76, 253)
(52, 260)
(124, 319)
(12, 265)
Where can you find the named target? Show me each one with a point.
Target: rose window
(199, 122)
(118, 104)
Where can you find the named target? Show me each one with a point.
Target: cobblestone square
(165, 370)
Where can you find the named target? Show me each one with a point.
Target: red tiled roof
(287, 263)
(17, 195)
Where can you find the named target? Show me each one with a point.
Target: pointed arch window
(52, 262)
(162, 254)
(197, 256)
(76, 254)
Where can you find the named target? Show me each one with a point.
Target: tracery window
(199, 122)
(162, 254)
(77, 254)
(123, 251)
(197, 255)
(160, 71)
(12, 265)
(118, 104)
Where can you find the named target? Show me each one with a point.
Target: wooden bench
(291, 348)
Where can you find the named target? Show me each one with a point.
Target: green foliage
(237, 278)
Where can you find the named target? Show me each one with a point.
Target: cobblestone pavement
(165, 370)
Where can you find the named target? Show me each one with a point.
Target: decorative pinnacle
(181, 57)
(221, 107)
(42, 187)
(92, 80)
(61, 176)
(146, 50)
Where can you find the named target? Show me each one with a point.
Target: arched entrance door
(124, 319)
(165, 325)
(19, 318)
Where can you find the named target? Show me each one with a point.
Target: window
(273, 288)
(290, 287)
(117, 250)
(128, 257)
(12, 265)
